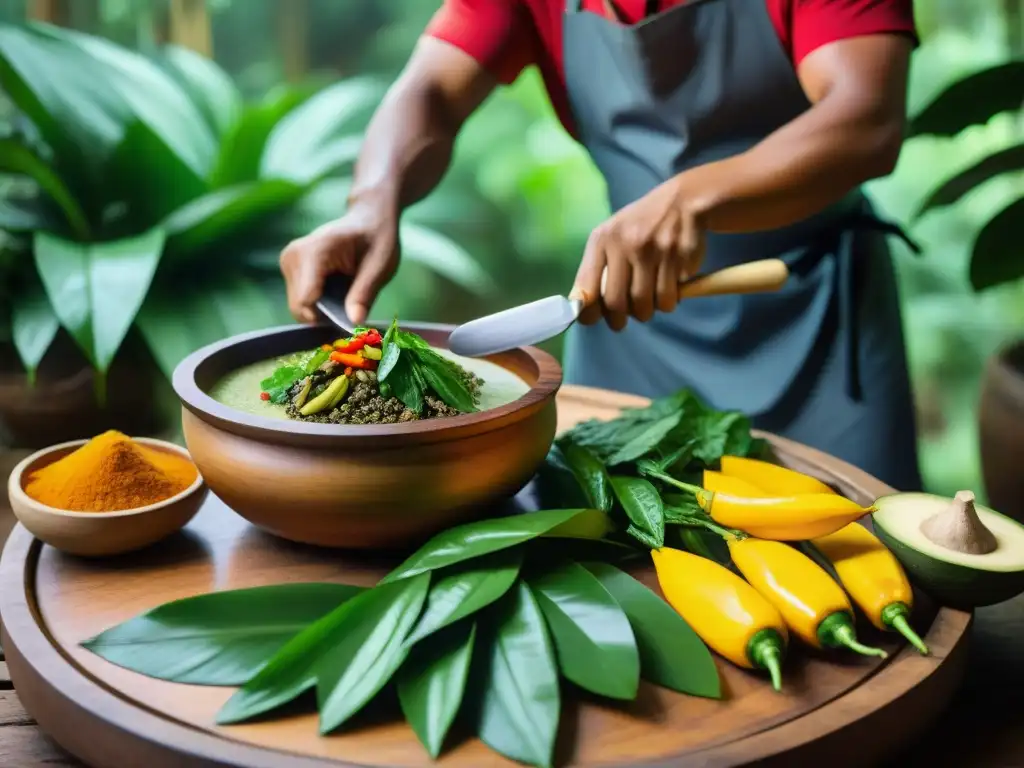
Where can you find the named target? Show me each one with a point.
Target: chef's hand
(362, 243)
(648, 247)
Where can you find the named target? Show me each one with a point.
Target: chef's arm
(409, 141)
(852, 133)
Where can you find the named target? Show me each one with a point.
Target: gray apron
(822, 361)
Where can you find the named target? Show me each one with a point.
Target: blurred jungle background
(160, 186)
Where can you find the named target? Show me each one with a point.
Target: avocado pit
(959, 528)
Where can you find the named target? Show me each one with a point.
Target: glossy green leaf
(68, 97)
(642, 504)
(96, 289)
(445, 257)
(589, 524)
(208, 86)
(464, 542)
(220, 638)
(591, 474)
(593, 638)
(443, 380)
(432, 683)
(16, 158)
(33, 325)
(646, 440)
(556, 485)
(1008, 160)
(469, 587)
(363, 661)
(521, 701)
(340, 635)
(996, 257)
(296, 148)
(671, 653)
(149, 180)
(153, 97)
(200, 224)
(972, 100)
(242, 146)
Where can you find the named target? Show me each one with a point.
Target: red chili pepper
(353, 361)
(372, 337)
(351, 346)
(264, 395)
(348, 372)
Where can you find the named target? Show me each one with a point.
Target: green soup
(241, 389)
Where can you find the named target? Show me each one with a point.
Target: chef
(727, 131)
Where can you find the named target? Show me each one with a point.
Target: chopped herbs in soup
(370, 379)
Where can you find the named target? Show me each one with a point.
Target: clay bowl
(379, 486)
(99, 534)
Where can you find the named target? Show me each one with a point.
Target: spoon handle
(753, 277)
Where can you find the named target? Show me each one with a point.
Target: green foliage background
(521, 197)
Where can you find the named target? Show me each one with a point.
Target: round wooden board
(834, 710)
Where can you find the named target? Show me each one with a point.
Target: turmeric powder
(111, 472)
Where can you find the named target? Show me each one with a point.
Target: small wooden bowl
(99, 534)
(374, 486)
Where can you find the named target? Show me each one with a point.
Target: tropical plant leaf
(67, 96)
(465, 590)
(295, 668)
(521, 702)
(220, 638)
(364, 660)
(147, 179)
(432, 683)
(97, 289)
(205, 221)
(17, 158)
(671, 653)
(241, 148)
(298, 143)
(465, 542)
(953, 189)
(997, 257)
(972, 100)
(181, 316)
(593, 638)
(207, 85)
(33, 325)
(153, 96)
(444, 256)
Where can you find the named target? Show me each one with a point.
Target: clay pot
(369, 486)
(62, 404)
(1001, 421)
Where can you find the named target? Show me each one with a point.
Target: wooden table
(984, 728)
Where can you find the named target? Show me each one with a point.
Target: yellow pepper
(869, 572)
(813, 606)
(725, 611)
(773, 479)
(873, 577)
(780, 518)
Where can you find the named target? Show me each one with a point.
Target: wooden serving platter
(834, 710)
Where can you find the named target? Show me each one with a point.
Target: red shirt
(506, 36)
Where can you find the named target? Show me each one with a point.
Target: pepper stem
(766, 651)
(703, 496)
(836, 631)
(895, 616)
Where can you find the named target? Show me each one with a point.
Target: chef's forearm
(851, 134)
(795, 173)
(409, 140)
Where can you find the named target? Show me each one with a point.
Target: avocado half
(955, 579)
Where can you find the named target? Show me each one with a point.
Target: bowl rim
(197, 401)
(15, 489)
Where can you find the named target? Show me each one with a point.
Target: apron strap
(848, 274)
